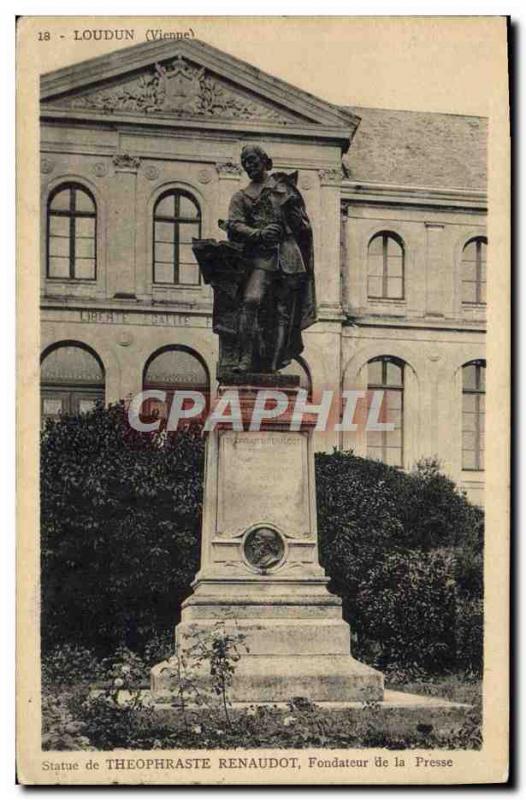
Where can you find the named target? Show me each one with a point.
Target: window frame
(176, 220)
(479, 241)
(477, 392)
(384, 386)
(70, 394)
(385, 236)
(72, 215)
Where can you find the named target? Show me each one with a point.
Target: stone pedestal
(260, 571)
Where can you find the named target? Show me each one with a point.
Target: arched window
(176, 220)
(386, 375)
(385, 267)
(174, 368)
(72, 380)
(473, 411)
(71, 234)
(474, 271)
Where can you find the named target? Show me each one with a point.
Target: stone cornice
(203, 310)
(129, 307)
(460, 326)
(321, 133)
(51, 149)
(361, 191)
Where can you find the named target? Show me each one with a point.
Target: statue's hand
(271, 234)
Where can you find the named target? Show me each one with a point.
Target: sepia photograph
(263, 312)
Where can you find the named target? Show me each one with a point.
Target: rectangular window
(474, 272)
(473, 416)
(385, 268)
(387, 446)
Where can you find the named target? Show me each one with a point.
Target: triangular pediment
(186, 80)
(177, 87)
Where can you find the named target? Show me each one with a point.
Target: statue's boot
(247, 338)
(280, 345)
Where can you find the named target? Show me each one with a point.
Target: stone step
(257, 610)
(280, 637)
(275, 679)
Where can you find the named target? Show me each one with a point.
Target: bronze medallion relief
(264, 548)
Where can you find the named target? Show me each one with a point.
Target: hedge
(405, 552)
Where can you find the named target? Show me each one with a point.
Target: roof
(414, 148)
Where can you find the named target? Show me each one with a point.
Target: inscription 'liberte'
(123, 318)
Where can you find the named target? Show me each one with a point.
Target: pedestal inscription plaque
(258, 483)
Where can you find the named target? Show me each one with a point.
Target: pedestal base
(298, 644)
(278, 679)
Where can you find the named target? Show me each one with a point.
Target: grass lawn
(73, 719)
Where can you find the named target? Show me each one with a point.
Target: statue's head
(255, 161)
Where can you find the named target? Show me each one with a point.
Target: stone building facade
(140, 153)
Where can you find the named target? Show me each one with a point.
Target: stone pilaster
(121, 244)
(229, 174)
(328, 251)
(434, 269)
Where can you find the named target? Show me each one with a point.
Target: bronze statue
(263, 278)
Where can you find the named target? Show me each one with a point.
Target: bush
(70, 664)
(62, 727)
(404, 551)
(469, 626)
(407, 609)
(383, 505)
(121, 519)
(120, 515)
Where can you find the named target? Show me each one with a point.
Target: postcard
(263, 400)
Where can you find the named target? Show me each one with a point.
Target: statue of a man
(277, 296)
